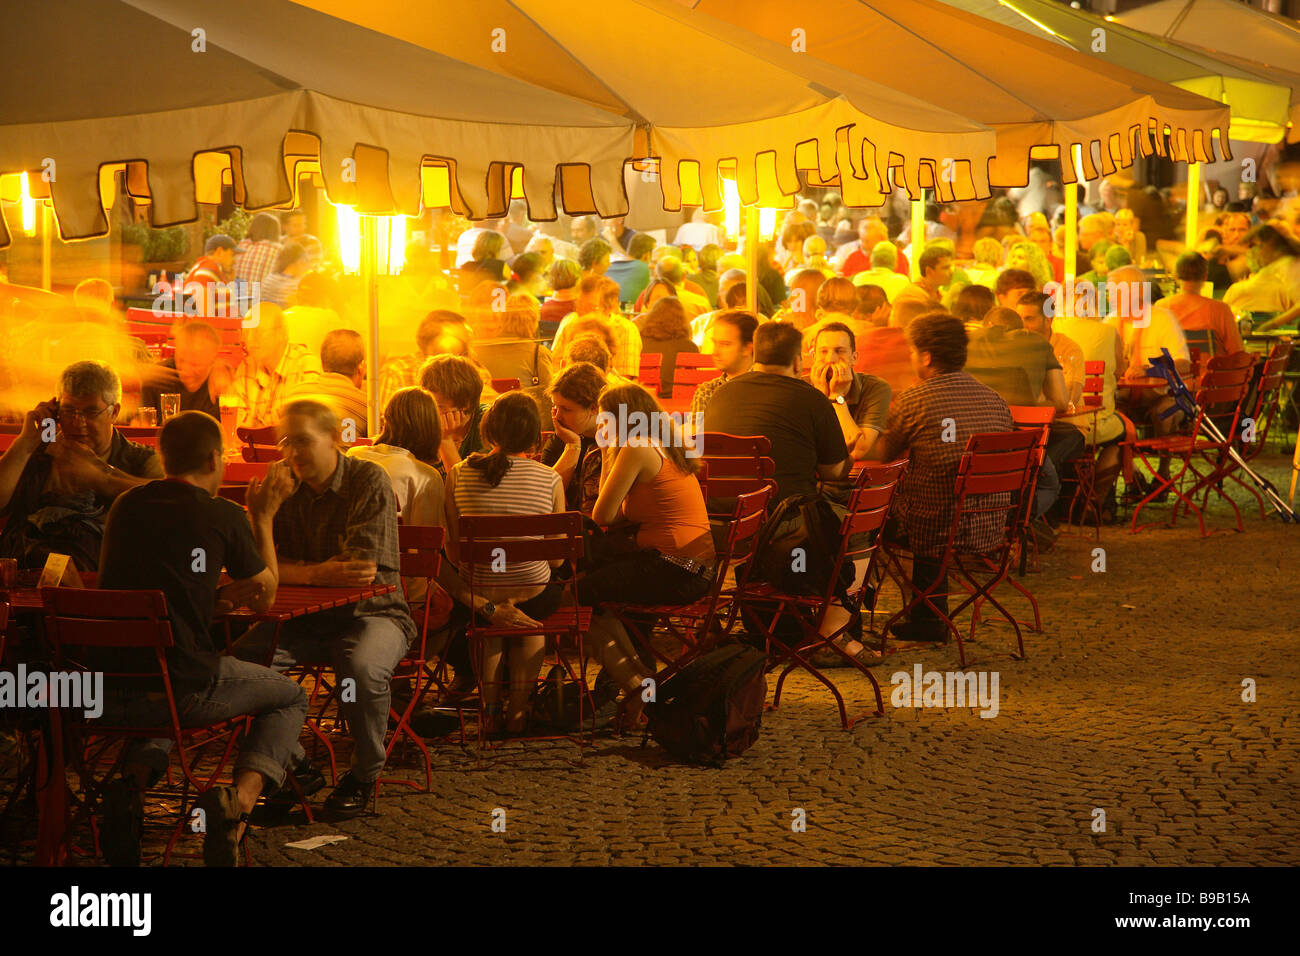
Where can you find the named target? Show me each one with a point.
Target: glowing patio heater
(371, 246)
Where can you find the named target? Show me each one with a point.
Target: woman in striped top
(647, 486)
(505, 481)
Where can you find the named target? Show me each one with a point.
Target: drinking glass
(149, 416)
(170, 403)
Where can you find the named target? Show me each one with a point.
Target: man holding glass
(66, 467)
(339, 529)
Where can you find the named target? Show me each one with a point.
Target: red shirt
(859, 261)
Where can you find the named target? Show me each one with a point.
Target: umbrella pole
(369, 270)
(918, 235)
(751, 253)
(1071, 251)
(47, 246)
(1295, 470)
(1193, 203)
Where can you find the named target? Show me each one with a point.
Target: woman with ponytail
(505, 481)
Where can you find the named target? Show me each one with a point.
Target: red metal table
(298, 600)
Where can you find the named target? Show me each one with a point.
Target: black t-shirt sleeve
(827, 434)
(242, 557)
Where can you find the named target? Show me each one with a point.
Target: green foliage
(158, 245)
(234, 226)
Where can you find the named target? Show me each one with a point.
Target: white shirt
(419, 491)
(890, 281)
(698, 235)
(1274, 288)
(465, 246)
(1164, 332)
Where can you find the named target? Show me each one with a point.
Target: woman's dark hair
(943, 336)
(411, 421)
(526, 265)
(973, 303)
(623, 401)
(512, 425)
(487, 245)
(263, 227)
(290, 253)
(666, 320)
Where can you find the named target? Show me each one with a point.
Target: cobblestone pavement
(1136, 711)
(1130, 703)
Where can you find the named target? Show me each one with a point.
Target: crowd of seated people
(847, 358)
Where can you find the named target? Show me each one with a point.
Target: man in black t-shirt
(773, 400)
(174, 535)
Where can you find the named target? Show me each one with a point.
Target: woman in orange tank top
(647, 484)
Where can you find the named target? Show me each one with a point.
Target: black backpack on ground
(712, 708)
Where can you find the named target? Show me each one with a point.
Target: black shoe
(123, 820)
(430, 723)
(350, 798)
(1043, 535)
(310, 780)
(918, 631)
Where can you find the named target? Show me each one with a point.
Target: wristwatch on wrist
(839, 400)
(488, 610)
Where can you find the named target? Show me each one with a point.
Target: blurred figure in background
(272, 367)
(563, 276)
(198, 377)
(666, 330)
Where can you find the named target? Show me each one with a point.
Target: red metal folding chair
(260, 444)
(690, 624)
(484, 539)
(994, 478)
(77, 619)
(651, 370)
(691, 372)
(1031, 418)
(859, 539)
(1219, 395)
(420, 554)
(1085, 465)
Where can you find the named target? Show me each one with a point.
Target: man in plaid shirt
(273, 367)
(930, 424)
(338, 528)
(256, 253)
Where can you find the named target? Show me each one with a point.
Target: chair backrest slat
(723, 445)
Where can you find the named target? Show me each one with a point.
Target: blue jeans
(365, 650)
(276, 703)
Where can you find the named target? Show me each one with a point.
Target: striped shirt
(401, 371)
(337, 393)
(528, 488)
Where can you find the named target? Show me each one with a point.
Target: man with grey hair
(66, 467)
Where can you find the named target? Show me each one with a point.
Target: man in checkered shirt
(947, 404)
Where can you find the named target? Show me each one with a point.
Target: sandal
(221, 819)
(827, 657)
